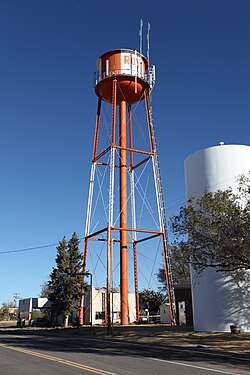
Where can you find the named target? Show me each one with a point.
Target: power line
(28, 249)
(167, 203)
(31, 248)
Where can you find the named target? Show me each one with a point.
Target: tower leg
(123, 216)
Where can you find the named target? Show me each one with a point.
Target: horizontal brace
(96, 233)
(120, 148)
(139, 230)
(139, 164)
(96, 239)
(147, 238)
(135, 150)
(92, 236)
(107, 164)
(101, 154)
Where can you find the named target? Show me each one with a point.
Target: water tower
(123, 83)
(218, 302)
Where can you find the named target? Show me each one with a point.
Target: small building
(183, 304)
(26, 305)
(95, 306)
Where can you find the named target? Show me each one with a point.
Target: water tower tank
(129, 68)
(217, 301)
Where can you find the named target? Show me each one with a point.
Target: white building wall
(217, 301)
(165, 316)
(98, 301)
(27, 304)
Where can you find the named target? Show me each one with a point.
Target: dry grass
(161, 334)
(176, 336)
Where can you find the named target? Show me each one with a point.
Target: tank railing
(147, 76)
(127, 72)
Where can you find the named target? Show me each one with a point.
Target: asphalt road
(54, 353)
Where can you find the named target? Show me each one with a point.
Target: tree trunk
(65, 321)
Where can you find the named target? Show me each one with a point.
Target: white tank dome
(217, 301)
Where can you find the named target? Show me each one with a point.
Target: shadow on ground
(162, 342)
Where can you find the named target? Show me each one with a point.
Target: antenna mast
(140, 35)
(148, 43)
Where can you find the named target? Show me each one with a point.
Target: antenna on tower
(148, 43)
(140, 35)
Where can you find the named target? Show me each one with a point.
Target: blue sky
(48, 52)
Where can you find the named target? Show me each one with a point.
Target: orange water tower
(123, 81)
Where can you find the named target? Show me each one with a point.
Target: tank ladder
(160, 202)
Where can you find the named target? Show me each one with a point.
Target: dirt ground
(175, 336)
(178, 336)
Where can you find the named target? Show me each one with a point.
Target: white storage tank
(217, 301)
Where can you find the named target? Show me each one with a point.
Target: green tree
(180, 264)
(66, 279)
(215, 230)
(151, 300)
(8, 311)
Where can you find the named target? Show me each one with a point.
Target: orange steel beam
(97, 239)
(118, 147)
(101, 154)
(126, 149)
(138, 230)
(117, 166)
(97, 128)
(148, 238)
(135, 150)
(168, 281)
(129, 242)
(123, 216)
(141, 162)
(131, 167)
(96, 233)
(105, 240)
(105, 164)
(154, 234)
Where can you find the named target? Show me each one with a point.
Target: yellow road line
(59, 360)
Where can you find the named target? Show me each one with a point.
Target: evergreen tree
(66, 280)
